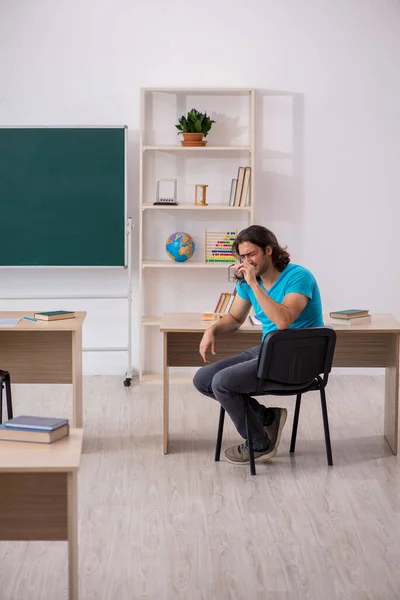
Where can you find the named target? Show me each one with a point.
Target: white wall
(335, 201)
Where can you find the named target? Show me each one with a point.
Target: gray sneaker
(240, 455)
(273, 425)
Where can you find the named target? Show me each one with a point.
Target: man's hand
(207, 340)
(249, 272)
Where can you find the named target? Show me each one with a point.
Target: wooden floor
(183, 527)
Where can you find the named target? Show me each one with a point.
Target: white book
(230, 301)
(254, 320)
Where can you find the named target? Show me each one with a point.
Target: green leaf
(197, 126)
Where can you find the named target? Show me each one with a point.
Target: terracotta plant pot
(193, 139)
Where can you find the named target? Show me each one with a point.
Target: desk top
(59, 457)
(24, 325)
(192, 322)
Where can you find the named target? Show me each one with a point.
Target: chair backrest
(297, 356)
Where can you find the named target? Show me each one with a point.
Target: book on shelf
(223, 305)
(41, 430)
(232, 192)
(219, 303)
(254, 320)
(351, 313)
(239, 185)
(245, 195)
(230, 301)
(54, 315)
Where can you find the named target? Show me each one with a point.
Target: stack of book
(43, 430)
(351, 316)
(240, 188)
(225, 302)
(222, 308)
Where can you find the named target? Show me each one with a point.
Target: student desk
(375, 344)
(39, 497)
(45, 352)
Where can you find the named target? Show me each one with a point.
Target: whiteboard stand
(127, 296)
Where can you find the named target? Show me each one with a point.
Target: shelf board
(187, 206)
(178, 148)
(188, 264)
(151, 321)
(211, 91)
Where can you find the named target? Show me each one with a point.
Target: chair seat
(283, 389)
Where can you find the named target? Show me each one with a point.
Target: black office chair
(291, 363)
(5, 382)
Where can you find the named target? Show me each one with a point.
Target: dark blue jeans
(229, 381)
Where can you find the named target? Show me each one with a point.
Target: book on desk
(54, 315)
(43, 430)
(350, 317)
(347, 321)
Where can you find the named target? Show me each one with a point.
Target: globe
(180, 246)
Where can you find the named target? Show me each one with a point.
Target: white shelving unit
(196, 285)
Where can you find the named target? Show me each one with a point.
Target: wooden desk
(39, 495)
(375, 344)
(45, 352)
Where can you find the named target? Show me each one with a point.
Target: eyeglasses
(231, 273)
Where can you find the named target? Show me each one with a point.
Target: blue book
(36, 423)
(23, 434)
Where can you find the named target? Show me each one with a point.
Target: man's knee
(202, 381)
(220, 383)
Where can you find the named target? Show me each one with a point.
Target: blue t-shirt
(293, 279)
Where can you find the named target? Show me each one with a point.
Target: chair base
(294, 431)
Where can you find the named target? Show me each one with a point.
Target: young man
(283, 296)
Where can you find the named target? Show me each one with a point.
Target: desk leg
(77, 384)
(73, 535)
(392, 393)
(166, 393)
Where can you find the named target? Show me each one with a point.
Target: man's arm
(283, 314)
(235, 318)
(228, 323)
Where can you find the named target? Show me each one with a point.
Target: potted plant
(193, 127)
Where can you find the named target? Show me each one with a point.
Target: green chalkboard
(62, 196)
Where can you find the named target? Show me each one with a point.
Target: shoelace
(243, 448)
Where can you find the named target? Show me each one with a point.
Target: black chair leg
(249, 439)
(8, 396)
(220, 432)
(295, 423)
(326, 428)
